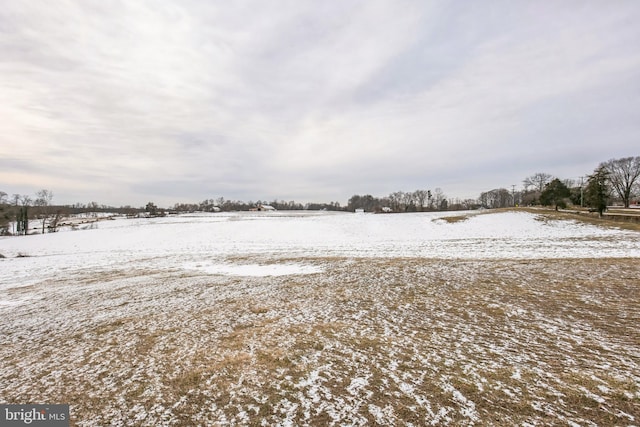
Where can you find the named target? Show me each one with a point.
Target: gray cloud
(123, 102)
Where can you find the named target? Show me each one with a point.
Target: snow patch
(253, 270)
(356, 385)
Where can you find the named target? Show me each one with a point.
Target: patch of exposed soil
(395, 341)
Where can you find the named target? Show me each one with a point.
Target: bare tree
(396, 200)
(439, 196)
(497, 198)
(408, 201)
(93, 208)
(623, 174)
(420, 196)
(537, 181)
(43, 202)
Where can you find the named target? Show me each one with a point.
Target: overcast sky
(125, 102)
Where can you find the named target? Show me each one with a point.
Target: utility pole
(513, 193)
(581, 192)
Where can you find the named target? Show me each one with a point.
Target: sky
(126, 102)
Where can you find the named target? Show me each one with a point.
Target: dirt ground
(398, 341)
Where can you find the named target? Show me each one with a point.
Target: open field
(333, 319)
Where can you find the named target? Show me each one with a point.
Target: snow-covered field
(302, 318)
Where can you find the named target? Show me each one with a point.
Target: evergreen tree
(597, 191)
(555, 193)
(22, 220)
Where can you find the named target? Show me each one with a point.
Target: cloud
(310, 101)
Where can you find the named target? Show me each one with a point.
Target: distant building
(266, 208)
(359, 210)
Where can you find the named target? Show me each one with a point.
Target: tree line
(19, 212)
(613, 181)
(411, 201)
(616, 180)
(226, 205)
(19, 209)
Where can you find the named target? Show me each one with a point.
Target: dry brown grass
(454, 219)
(386, 341)
(580, 215)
